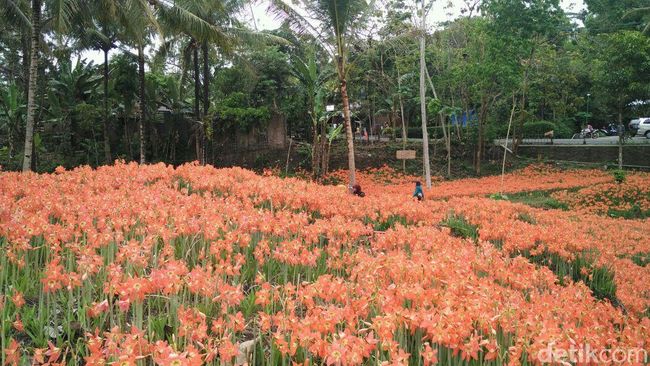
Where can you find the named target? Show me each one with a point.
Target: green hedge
(538, 128)
(416, 132)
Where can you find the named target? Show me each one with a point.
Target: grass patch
(460, 227)
(389, 223)
(634, 213)
(599, 279)
(526, 217)
(537, 199)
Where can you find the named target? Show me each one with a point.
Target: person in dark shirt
(356, 190)
(418, 191)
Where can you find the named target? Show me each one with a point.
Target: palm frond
(181, 19)
(11, 10)
(299, 23)
(63, 13)
(252, 38)
(163, 51)
(636, 12)
(643, 12)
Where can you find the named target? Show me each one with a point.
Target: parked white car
(644, 128)
(634, 124)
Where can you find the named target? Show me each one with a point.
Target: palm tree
(99, 31)
(31, 91)
(214, 28)
(140, 19)
(336, 20)
(423, 103)
(60, 14)
(643, 12)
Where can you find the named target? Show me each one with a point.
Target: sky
(443, 10)
(256, 15)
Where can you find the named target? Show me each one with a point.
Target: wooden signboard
(405, 154)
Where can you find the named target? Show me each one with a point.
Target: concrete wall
(632, 154)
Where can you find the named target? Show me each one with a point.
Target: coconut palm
(100, 32)
(31, 91)
(644, 13)
(59, 15)
(335, 22)
(142, 18)
(223, 34)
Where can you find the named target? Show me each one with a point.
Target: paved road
(608, 140)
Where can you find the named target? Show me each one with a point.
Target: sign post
(405, 154)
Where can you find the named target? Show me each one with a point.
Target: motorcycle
(585, 133)
(610, 130)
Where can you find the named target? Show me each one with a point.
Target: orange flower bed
(194, 265)
(611, 198)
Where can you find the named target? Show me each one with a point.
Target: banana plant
(12, 111)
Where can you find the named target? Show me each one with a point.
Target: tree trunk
(481, 126)
(197, 102)
(519, 132)
(206, 91)
(620, 139)
(33, 75)
(314, 147)
(107, 142)
(445, 135)
(348, 121)
(401, 111)
(505, 144)
(206, 77)
(423, 104)
(143, 107)
(25, 43)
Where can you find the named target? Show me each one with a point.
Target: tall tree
(33, 77)
(423, 96)
(337, 18)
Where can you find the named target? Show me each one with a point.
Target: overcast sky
(442, 10)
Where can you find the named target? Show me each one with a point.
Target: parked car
(634, 124)
(644, 128)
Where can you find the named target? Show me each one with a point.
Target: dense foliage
(188, 80)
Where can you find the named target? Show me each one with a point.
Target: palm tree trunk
(31, 95)
(197, 101)
(25, 44)
(206, 78)
(107, 142)
(143, 107)
(206, 91)
(423, 104)
(348, 122)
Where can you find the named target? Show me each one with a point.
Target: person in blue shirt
(418, 191)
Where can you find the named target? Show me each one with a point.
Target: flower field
(194, 265)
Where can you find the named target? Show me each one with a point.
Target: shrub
(619, 176)
(538, 128)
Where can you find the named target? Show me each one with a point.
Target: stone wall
(634, 155)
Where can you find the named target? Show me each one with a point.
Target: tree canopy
(191, 80)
